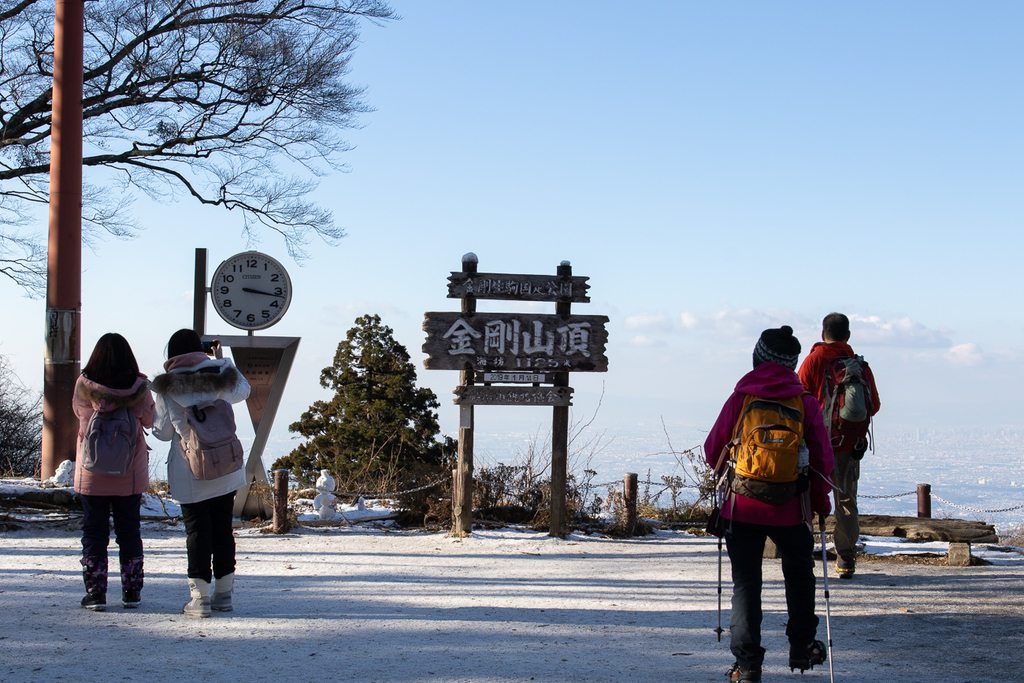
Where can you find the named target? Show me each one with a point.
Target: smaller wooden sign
(513, 396)
(518, 287)
(514, 377)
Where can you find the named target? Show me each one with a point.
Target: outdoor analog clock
(251, 290)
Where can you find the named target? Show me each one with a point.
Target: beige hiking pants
(845, 476)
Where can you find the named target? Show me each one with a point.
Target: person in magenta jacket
(748, 522)
(111, 379)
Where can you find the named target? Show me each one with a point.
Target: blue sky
(714, 168)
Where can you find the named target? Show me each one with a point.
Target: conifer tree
(379, 429)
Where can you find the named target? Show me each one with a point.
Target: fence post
(629, 496)
(924, 500)
(280, 524)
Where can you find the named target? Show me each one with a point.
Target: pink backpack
(213, 449)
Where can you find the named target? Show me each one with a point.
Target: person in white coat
(192, 377)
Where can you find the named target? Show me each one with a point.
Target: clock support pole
(199, 292)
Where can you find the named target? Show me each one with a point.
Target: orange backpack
(766, 457)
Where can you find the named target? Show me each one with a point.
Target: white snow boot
(199, 605)
(220, 601)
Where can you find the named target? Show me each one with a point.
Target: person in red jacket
(749, 522)
(835, 333)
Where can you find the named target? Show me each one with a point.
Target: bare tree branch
(206, 97)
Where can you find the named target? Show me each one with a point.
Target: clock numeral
(251, 262)
(237, 313)
(278, 291)
(274, 304)
(229, 278)
(274, 277)
(226, 303)
(266, 314)
(225, 290)
(251, 317)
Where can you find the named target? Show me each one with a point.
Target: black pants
(96, 525)
(746, 548)
(208, 525)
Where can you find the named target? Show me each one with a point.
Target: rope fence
(970, 509)
(649, 482)
(894, 495)
(394, 494)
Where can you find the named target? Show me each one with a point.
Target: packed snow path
(367, 605)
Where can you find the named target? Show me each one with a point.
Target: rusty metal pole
(64, 258)
(924, 500)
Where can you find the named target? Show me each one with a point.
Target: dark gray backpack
(108, 446)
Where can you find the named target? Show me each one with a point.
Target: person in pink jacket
(111, 380)
(748, 522)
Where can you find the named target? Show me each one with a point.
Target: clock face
(251, 290)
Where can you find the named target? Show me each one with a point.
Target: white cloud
(744, 324)
(875, 330)
(647, 321)
(645, 341)
(968, 355)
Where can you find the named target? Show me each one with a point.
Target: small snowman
(64, 477)
(324, 501)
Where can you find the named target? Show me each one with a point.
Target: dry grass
(1013, 536)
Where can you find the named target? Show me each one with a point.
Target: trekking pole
(828, 608)
(719, 629)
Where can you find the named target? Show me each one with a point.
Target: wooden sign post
(502, 349)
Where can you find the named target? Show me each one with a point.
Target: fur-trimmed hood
(212, 377)
(107, 398)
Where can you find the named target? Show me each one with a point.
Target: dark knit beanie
(777, 346)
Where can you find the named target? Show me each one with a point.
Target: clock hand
(257, 291)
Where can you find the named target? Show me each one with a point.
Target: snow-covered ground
(370, 604)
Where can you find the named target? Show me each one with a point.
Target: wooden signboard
(515, 342)
(507, 352)
(513, 396)
(518, 287)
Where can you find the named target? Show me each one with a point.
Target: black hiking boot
(804, 657)
(130, 599)
(97, 602)
(738, 673)
(846, 565)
